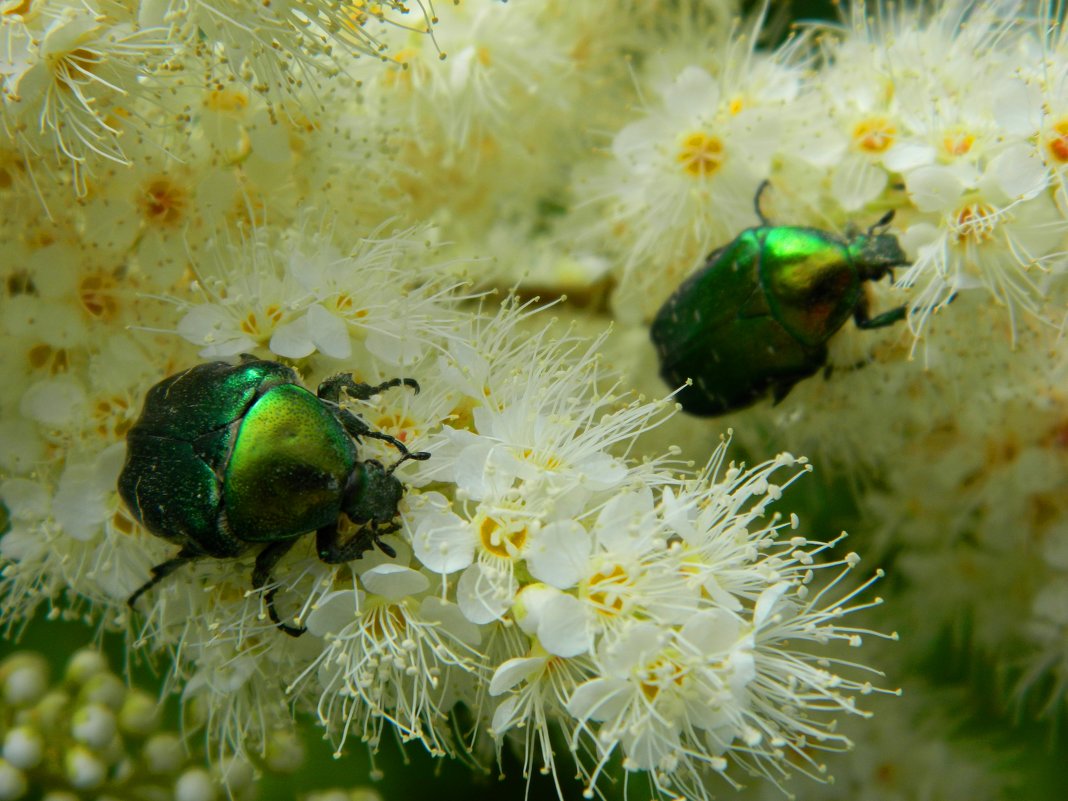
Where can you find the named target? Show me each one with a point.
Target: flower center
(701, 154)
(45, 357)
(658, 674)
(386, 622)
(976, 222)
(96, 295)
(957, 142)
(251, 324)
(1058, 142)
(163, 202)
(113, 417)
(497, 539)
(874, 134)
(226, 100)
(397, 424)
(606, 589)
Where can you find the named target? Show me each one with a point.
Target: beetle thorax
(875, 255)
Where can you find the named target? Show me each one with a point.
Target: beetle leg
(161, 571)
(357, 427)
(332, 551)
(330, 389)
(261, 575)
(861, 318)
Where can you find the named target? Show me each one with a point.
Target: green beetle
(757, 317)
(225, 457)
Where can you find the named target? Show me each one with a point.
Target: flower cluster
(90, 733)
(311, 182)
(888, 118)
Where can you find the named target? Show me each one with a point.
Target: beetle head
(375, 494)
(876, 254)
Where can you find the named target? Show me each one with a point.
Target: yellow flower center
(251, 324)
(1058, 142)
(163, 202)
(52, 360)
(976, 222)
(397, 424)
(227, 100)
(957, 142)
(606, 588)
(497, 539)
(658, 674)
(701, 154)
(874, 134)
(96, 294)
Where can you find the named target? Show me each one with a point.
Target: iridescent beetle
(225, 457)
(756, 318)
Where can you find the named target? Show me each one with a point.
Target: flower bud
(284, 752)
(195, 785)
(104, 688)
(163, 753)
(13, 783)
(85, 664)
(23, 679)
(23, 747)
(139, 714)
(83, 769)
(93, 725)
(51, 712)
(234, 774)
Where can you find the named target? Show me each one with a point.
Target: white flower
(684, 176)
(65, 73)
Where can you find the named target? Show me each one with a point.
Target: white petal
(711, 632)
(598, 699)
(292, 340)
(331, 614)
(394, 581)
(692, 90)
(210, 327)
(504, 716)
(908, 155)
(443, 541)
(563, 630)
(55, 402)
(933, 188)
(560, 554)
(330, 334)
(483, 596)
(1017, 106)
(451, 619)
(1018, 172)
(856, 182)
(513, 671)
(24, 499)
(394, 345)
(530, 605)
(767, 601)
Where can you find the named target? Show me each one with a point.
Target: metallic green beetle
(225, 457)
(757, 317)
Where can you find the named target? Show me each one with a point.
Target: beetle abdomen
(739, 367)
(174, 493)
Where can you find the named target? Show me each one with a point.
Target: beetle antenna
(883, 221)
(756, 202)
(419, 456)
